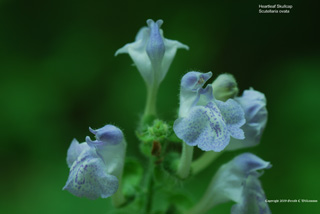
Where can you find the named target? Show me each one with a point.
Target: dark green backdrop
(59, 76)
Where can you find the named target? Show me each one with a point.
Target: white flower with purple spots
(204, 121)
(96, 166)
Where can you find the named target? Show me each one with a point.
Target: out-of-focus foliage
(59, 76)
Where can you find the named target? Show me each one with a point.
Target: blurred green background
(59, 76)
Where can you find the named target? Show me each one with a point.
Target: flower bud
(224, 87)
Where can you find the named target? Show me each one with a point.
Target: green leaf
(161, 177)
(132, 176)
(171, 201)
(181, 201)
(171, 162)
(145, 149)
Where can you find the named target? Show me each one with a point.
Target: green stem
(149, 187)
(185, 161)
(151, 101)
(204, 161)
(149, 197)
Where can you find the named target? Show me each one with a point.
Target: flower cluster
(205, 121)
(213, 124)
(211, 117)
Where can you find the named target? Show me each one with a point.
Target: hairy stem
(185, 161)
(150, 108)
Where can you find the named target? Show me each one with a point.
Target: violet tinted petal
(107, 135)
(253, 198)
(75, 150)
(232, 182)
(234, 117)
(254, 105)
(155, 46)
(88, 177)
(194, 80)
(203, 127)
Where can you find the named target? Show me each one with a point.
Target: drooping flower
(152, 53)
(238, 181)
(254, 105)
(204, 121)
(252, 198)
(96, 166)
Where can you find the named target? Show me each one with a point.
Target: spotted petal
(234, 116)
(75, 150)
(88, 178)
(205, 127)
(110, 146)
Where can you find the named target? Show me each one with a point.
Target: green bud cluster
(158, 131)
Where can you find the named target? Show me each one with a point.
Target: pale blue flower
(152, 53)
(96, 166)
(204, 121)
(238, 181)
(254, 105)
